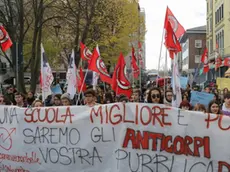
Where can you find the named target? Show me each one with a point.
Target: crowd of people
(151, 94)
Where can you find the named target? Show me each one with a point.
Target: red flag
(86, 54)
(227, 61)
(140, 55)
(204, 60)
(97, 65)
(120, 84)
(5, 40)
(135, 67)
(177, 27)
(81, 82)
(171, 42)
(218, 62)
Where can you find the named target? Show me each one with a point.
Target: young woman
(155, 96)
(214, 107)
(185, 105)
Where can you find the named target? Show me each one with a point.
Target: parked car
(10, 80)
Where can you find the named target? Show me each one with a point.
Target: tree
(12, 16)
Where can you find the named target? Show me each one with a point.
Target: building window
(219, 14)
(198, 43)
(211, 23)
(222, 39)
(197, 58)
(207, 6)
(211, 46)
(222, 11)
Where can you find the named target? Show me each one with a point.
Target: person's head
(146, 94)
(213, 107)
(10, 89)
(18, 97)
(2, 100)
(65, 99)
(215, 96)
(168, 96)
(90, 96)
(185, 105)
(30, 95)
(195, 88)
(136, 95)
(108, 98)
(155, 96)
(225, 90)
(122, 98)
(184, 97)
(113, 94)
(207, 89)
(199, 107)
(227, 99)
(37, 103)
(57, 100)
(215, 91)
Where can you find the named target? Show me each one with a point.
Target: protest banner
(113, 138)
(223, 83)
(183, 82)
(201, 98)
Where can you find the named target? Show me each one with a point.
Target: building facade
(193, 43)
(218, 34)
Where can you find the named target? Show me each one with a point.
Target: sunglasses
(155, 96)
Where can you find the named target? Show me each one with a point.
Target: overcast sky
(190, 13)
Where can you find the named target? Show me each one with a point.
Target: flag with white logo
(46, 75)
(71, 77)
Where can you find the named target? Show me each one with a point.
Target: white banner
(113, 138)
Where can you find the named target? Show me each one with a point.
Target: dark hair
(227, 95)
(30, 92)
(58, 96)
(122, 98)
(90, 91)
(18, 94)
(108, 96)
(211, 103)
(149, 99)
(137, 91)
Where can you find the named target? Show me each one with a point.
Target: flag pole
(82, 86)
(165, 72)
(161, 46)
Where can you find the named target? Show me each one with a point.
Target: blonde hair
(35, 101)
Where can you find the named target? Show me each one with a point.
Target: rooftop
(194, 30)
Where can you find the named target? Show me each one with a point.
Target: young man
(226, 105)
(207, 89)
(168, 97)
(136, 96)
(65, 99)
(90, 98)
(19, 99)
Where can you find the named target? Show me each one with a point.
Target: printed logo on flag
(101, 67)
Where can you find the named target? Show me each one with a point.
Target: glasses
(169, 95)
(155, 96)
